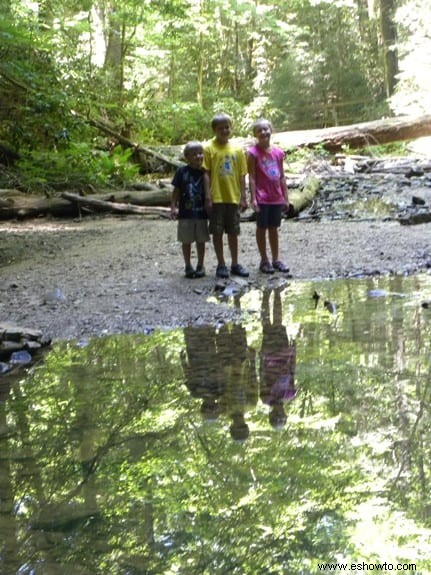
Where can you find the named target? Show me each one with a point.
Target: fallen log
(141, 153)
(332, 139)
(356, 136)
(115, 207)
(155, 197)
(353, 136)
(17, 205)
(302, 197)
(23, 206)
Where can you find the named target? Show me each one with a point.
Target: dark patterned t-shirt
(190, 182)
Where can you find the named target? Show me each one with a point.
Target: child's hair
(259, 122)
(219, 119)
(190, 146)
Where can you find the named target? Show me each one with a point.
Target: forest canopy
(156, 72)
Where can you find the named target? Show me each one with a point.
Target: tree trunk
(15, 205)
(98, 205)
(357, 136)
(333, 139)
(389, 40)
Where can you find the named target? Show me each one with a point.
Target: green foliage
(323, 76)
(174, 123)
(161, 69)
(76, 166)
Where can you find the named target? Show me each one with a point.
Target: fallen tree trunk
(155, 197)
(302, 197)
(332, 139)
(115, 207)
(144, 155)
(155, 201)
(22, 206)
(17, 205)
(357, 136)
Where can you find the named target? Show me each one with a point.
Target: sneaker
(190, 272)
(266, 268)
(239, 270)
(200, 271)
(280, 266)
(222, 272)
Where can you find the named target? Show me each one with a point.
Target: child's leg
(236, 268)
(200, 249)
(261, 243)
(273, 242)
(187, 253)
(218, 248)
(233, 248)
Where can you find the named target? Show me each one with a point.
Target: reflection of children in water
(202, 370)
(277, 361)
(238, 365)
(220, 369)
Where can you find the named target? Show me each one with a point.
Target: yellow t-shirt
(226, 163)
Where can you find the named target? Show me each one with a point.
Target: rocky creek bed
(108, 275)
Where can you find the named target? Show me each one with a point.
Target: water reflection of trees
(108, 466)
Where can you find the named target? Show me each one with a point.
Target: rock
(54, 296)
(4, 367)
(18, 345)
(20, 357)
(231, 289)
(7, 347)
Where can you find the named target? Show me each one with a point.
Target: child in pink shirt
(268, 193)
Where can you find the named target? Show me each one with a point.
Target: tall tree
(389, 40)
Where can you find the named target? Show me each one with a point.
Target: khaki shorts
(190, 231)
(224, 218)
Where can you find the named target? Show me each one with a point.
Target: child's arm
(284, 187)
(207, 189)
(251, 165)
(174, 203)
(243, 205)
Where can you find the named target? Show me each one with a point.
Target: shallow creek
(298, 438)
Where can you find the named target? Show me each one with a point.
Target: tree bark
(388, 31)
(334, 139)
(99, 205)
(15, 205)
(302, 197)
(357, 136)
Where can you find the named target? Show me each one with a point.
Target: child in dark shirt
(188, 207)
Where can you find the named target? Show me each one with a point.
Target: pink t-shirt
(269, 165)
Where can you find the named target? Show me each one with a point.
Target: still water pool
(298, 438)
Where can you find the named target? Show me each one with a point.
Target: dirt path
(125, 275)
